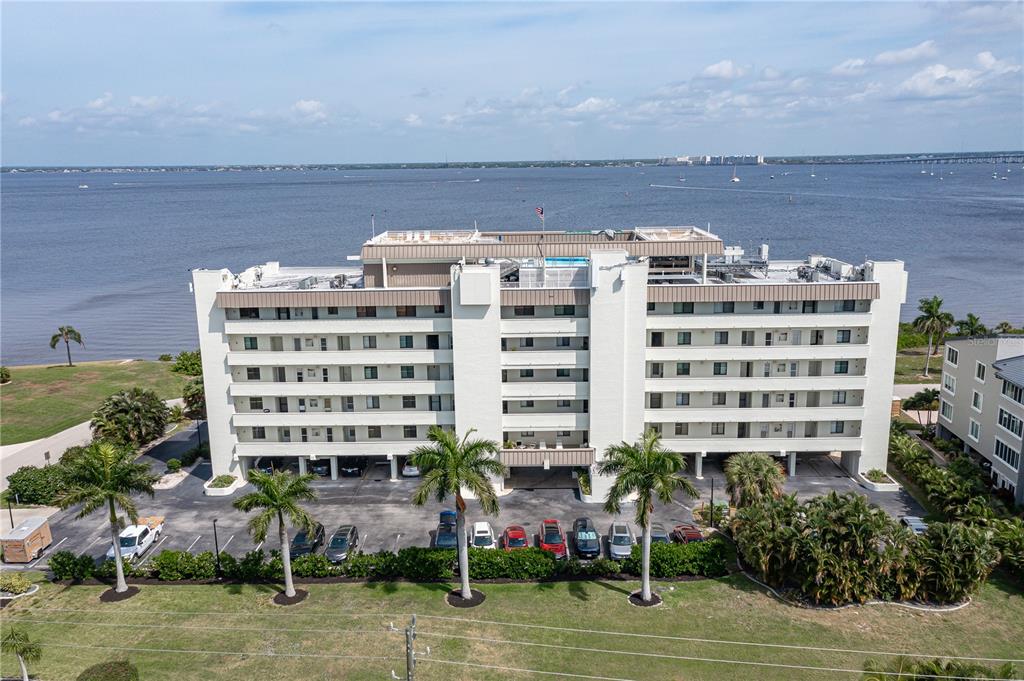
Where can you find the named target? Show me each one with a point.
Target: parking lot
(385, 516)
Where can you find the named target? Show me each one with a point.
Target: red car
(552, 538)
(514, 537)
(687, 533)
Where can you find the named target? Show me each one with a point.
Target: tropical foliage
(5, 375)
(195, 399)
(923, 402)
(651, 472)
(934, 322)
(448, 465)
(909, 669)
(752, 476)
(131, 418)
(970, 326)
(188, 362)
(69, 335)
(17, 642)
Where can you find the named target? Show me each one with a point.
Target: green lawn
(910, 366)
(308, 641)
(43, 400)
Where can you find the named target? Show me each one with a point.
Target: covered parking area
(544, 468)
(810, 464)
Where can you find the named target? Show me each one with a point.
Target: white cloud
(413, 120)
(592, 105)
(725, 70)
(101, 101)
(27, 122)
(917, 52)
(311, 110)
(938, 81)
(988, 62)
(850, 67)
(770, 73)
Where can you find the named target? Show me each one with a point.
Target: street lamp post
(712, 514)
(216, 546)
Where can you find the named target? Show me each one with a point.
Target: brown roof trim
(552, 248)
(570, 456)
(342, 298)
(545, 296)
(714, 293)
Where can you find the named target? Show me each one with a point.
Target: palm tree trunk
(24, 669)
(286, 558)
(67, 344)
(460, 533)
(928, 357)
(645, 571)
(122, 585)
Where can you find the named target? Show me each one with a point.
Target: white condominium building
(556, 344)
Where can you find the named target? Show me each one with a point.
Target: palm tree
(648, 470)
(132, 418)
(66, 334)
(1004, 327)
(971, 326)
(934, 322)
(16, 642)
(105, 475)
(277, 496)
(449, 465)
(752, 476)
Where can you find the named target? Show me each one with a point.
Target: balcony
(333, 326)
(685, 322)
(566, 389)
(321, 449)
(372, 417)
(774, 383)
(567, 456)
(313, 388)
(308, 358)
(770, 445)
(545, 326)
(539, 420)
(735, 414)
(740, 353)
(536, 359)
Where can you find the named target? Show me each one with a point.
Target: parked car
(515, 537)
(483, 535)
(446, 537)
(410, 471)
(553, 539)
(916, 524)
(342, 543)
(352, 467)
(620, 541)
(685, 533)
(659, 535)
(135, 540)
(305, 543)
(586, 541)
(320, 468)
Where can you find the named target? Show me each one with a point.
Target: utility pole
(410, 654)
(216, 547)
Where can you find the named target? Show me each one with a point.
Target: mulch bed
(635, 599)
(111, 596)
(282, 599)
(455, 599)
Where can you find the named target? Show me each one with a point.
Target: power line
(132, 625)
(126, 649)
(523, 671)
(199, 613)
(717, 641)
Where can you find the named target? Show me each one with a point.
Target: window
(344, 343)
(974, 430)
(332, 310)
(303, 435)
(656, 427)
(848, 306)
(682, 399)
(758, 304)
(373, 432)
(976, 400)
(248, 313)
(252, 373)
(718, 429)
(279, 374)
(433, 341)
(286, 434)
(565, 310)
(949, 383)
(409, 432)
(561, 373)
(725, 307)
(683, 338)
(284, 313)
(526, 373)
(562, 341)
(250, 343)
(721, 337)
(526, 342)
(1013, 392)
(718, 399)
(682, 308)
(979, 371)
(370, 373)
(439, 309)
(838, 397)
(1010, 422)
(1005, 453)
(435, 403)
(523, 310)
(810, 306)
(407, 372)
(843, 336)
(563, 404)
(650, 307)
(841, 366)
(747, 338)
(256, 403)
(952, 356)
(682, 368)
(683, 429)
(721, 369)
(369, 342)
(259, 433)
(946, 410)
(563, 433)
(408, 401)
(655, 400)
(405, 310)
(330, 431)
(405, 342)
(657, 339)
(373, 402)
(657, 369)
(366, 311)
(837, 427)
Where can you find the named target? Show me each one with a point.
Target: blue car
(446, 536)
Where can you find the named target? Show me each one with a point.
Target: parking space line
(48, 550)
(152, 550)
(257, 546)
(397, 537)
(225, 547)
(189, 549)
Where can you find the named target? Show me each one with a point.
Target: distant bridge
(1015, 157)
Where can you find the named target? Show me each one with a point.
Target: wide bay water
(113, 260)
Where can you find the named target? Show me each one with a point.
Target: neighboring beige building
(981, 401)
(558, 344)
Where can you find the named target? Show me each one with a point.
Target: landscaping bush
(178, 565)
(222, 481)
(114, 670)
(252, 567)
(383, 565)
(108, 569)
(703, 514)
(14, 582)
(188, 362)
(530, 563)
(5, 375)
(707, 558)
(194, 394)
(956, 559)
(66, 565)
(314, 565)
(420, 564)
(34, 485)
(876, 475)
(131, 418)
(164, 358)
(173, 465)
(194, 454)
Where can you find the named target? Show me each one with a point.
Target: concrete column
(704, 269)
(334, 468)
(302, 465)
(394, 467)
(792, 464)
(698, 465)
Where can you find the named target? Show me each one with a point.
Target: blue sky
(198, 83)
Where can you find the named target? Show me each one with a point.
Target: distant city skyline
(292, 83)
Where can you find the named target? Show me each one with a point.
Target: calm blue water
(113, 260)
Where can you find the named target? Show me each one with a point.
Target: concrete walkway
(13, 457)
(905, 390)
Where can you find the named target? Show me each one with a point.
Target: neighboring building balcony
(696, 353)
(538, 420)
(771, 445)
(361, 325)
(760, 320)
(312, 388)
(551, 456)
(755, 414)
(565, 389)
(533, 359)
(259, 358)
(774, 383)
(545, 326)
(370, 417)
(324, 449)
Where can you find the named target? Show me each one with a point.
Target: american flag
(540, 212)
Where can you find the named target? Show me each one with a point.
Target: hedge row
(708, 559)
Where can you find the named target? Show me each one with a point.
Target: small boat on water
(734, 178)
(83, 186)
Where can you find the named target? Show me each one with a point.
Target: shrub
(583, 478)
(114, 670)
(222, 481)
(131, 418)
(14, 582)
(707, 558)
(876, 475)
(423, 564)
(194, 454)
(194, 394)
(956, 559)
(383, 565)
(34, 485)
(314, 565)
(164, 358)
(252, 567)
(108, 569)
(173, 566)
(188, 362)
(530, 563)
(66, 565)
(5, 375)
(703, 514)
(173, 465)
